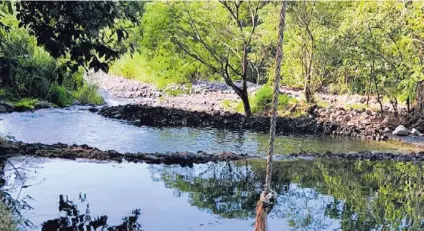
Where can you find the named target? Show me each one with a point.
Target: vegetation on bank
(44, 58)
(7, 222)
(366, 48)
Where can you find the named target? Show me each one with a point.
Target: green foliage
(88, 95)
(60, 96)
(262, 100)
(337, 89)
(7, 222)
(33, 70)
(87, 33)
(26, 103)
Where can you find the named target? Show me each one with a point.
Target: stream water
(313, 195)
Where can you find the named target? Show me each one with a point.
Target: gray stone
(43, 104)
(415, 132)
(387, 130)
(400, 131)
(3, 109)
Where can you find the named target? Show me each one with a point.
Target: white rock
(415, 132)
(400, 131)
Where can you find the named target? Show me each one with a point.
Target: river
(313, 194)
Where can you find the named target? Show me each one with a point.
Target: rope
(265, 202)
(278, 58)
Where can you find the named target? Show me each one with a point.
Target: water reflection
(312, 195)
(74, 219)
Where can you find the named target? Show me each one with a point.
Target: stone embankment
(142, 115)
(9, 149)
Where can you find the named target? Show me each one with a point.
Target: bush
(88, 95)
(60, 96)
(32, 69)
(337, 89)
(7, 222)
(262, 100)
(26, 103)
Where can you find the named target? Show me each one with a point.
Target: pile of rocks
(357, 123)
(122, 87)
(142, 115)
(59, 150)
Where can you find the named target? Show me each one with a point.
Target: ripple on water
(83, 127)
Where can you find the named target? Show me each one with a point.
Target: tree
(222, 46)
(85, 33)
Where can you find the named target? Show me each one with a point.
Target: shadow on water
(75, 220)
(312, 195)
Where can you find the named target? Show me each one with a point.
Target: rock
(400, 131)
(347, 118)
(76, 102)
(368, 112)
(3, 109)
(387, 130)
(363, 100)
(43, 104)
(93, 109)
(415, 132)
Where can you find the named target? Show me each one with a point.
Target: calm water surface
(82, 127)
(312, 195)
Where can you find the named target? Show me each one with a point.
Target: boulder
(3, 109)
(387, 130)
(400, 131)
(347, 118)
(93, 109)
(415, 132)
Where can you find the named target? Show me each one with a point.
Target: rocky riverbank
(9, 149)
(142, 115)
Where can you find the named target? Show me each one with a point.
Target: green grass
(140, 69)
(323, 103)
(88, 95)
(356, 106)
(26, 103)
(262, 100)
(60, 96)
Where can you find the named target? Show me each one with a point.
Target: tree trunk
(245, 99)
(307, 89)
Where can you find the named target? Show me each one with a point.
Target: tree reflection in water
(75, 220)
(313, 195)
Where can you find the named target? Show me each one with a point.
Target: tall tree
(86, 33)
(223, 47)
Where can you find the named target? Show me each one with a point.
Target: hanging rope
(268, 196)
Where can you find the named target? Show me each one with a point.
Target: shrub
(7, 222)
(262, 100)
(32, 69)
(88, 95)
(60, 96)
(26, 103)
(337, 89)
